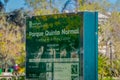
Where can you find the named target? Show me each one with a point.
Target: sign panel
(66, 71)
(54, 46)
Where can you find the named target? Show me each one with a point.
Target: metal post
(111, 53)
(83, 2)
(111, 59)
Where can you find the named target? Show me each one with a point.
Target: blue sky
(112, 1)
(16, 4)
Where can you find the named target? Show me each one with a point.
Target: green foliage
(11, 45)
(42, 7)
(16, 17)
(103, 65)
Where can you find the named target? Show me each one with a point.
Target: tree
(11, 36)
(10, 41)
(16, 17)
(40, 7)
(109, 31)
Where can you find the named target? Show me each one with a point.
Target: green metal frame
(90, 39)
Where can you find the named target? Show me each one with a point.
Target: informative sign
(54, 46)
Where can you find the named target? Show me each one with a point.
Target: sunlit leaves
(103, 66)
(10, 40)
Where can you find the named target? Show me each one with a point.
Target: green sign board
(54, 46)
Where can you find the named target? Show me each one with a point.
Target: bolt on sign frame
(62, 46)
